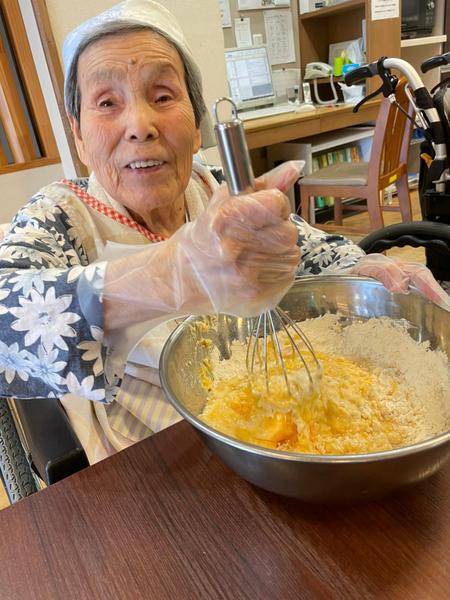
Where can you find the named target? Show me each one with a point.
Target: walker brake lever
(387, 88)
(367, 98)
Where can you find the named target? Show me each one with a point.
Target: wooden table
(291, 126)
(165, 519)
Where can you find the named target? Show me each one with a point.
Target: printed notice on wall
(279, 36)
(258, 4)
(249, 4)
(243, 32)
(224, 7)
(385, 9)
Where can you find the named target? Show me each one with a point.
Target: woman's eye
(105, 104)
(164, 98)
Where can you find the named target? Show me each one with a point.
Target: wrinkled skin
(135, 106)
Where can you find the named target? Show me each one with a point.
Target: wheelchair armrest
(426, 234)
(54, 448)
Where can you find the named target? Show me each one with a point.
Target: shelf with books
(350, 144)
(322, 215)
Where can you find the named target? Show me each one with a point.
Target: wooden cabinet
(416, 50)
(342, 22)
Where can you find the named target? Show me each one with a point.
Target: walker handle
(435, 61)
(360, 73)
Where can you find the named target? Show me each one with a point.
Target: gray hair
(72, 98)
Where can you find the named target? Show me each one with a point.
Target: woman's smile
(145, 164)
(145, 167)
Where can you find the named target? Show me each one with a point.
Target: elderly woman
(89, 266)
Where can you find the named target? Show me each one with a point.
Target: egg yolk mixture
(341, 414)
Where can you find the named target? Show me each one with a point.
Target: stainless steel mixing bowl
(307, 476)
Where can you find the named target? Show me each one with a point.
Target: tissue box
(309, 5)
(353, 93)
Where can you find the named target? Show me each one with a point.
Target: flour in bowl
(380, 389)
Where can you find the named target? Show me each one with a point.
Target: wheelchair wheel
(18, 478)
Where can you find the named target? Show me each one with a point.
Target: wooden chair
(387, 165)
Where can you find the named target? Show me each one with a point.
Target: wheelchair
(432, 110)
(37, 444)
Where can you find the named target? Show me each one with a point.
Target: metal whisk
(264, 341)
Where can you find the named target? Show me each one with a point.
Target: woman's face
(137, 129)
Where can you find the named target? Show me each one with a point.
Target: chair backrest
(391, 140)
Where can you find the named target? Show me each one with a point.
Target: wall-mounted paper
(225, 13)
(249, 4)
(279, 36)
(283, 79)
(259, 4)
(242, 32)
(304, 6)
(385, 9)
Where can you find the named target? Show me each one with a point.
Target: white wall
(17, 188)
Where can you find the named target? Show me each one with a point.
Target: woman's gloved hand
(397, 276)
(282, 177)
(240, 256)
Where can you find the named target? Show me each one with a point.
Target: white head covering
(148, 14)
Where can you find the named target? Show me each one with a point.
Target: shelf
(423, 41)
(340, 137)
(332, 10)
(326, 79)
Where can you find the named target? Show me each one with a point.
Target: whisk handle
(233, 151)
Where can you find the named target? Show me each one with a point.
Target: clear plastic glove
(239, 257)
(397, 276)
(282, 177)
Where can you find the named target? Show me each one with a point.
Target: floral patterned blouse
(48, 346)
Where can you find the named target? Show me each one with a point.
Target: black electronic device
(418, 17)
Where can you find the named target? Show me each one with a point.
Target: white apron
(140, 407)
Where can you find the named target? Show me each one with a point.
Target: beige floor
(360, 220)
(408, 254)
(3, 498)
